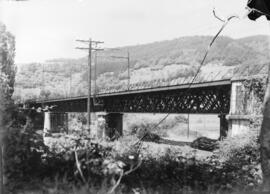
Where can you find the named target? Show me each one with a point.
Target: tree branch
(117, 183)
(78, 164)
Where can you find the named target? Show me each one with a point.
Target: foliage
(232, 145)
(7, 76)
(186, 168)
(44, 94)
(160, 167)
(256, 85)
(23, 151)
(7, 54)
(254, 94)
(241, 158)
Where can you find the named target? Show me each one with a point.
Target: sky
(47, 29)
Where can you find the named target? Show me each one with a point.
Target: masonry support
(47, 124)
(55, 123)
(238, 124)
(114, 125)
(223, 126)
(238, 118)
(101, 125)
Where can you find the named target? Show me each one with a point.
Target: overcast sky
(47, 29)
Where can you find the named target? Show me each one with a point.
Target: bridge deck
(205, 98)
(146, 90)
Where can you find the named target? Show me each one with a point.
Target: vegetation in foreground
(77, 164)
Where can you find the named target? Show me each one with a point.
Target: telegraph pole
(128, 58)
(70, 82)
(128, 61)
(90, 49)
(96, 61)
(43, 76)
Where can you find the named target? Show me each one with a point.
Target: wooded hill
(163, 61)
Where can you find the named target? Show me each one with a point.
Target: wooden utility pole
(90, 49)
(43, 77)
(128, 58)
(95, 74)
(1, 168)
(70, 81)
(89, 85)
(128, 65)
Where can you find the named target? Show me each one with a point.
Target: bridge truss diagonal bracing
(208, 100)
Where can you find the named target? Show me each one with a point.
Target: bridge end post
(239, 116)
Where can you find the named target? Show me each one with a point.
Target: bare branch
(224, 20)
(215, 15)
(78, 164)
(117, 183)
(133, 169)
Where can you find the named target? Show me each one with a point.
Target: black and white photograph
(134, 96)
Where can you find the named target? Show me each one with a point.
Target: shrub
(204, 143)
(233, 146)
(234, 166)
(239, 161)
(23, 151)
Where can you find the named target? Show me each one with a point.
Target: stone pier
(55, 123)
(110, 125)
(223, 126)
(239, 116)
(114, 125)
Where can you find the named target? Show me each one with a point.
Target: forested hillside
(151, 64)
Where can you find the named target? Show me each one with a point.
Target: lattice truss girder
(196, 100)
(212, 99)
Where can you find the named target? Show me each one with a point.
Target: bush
(239, 162)
(233, 146)
(204, 143)
(23, 156)
(233, 166)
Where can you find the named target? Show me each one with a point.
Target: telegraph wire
(225, 23)
(90, 48)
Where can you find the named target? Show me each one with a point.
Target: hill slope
(154, 63)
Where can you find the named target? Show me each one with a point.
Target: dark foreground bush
(22, 154)
(204, 143)
(152, 166)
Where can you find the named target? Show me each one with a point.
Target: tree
(7, 74)
(7, 79)
(44, 94)
(258, 9)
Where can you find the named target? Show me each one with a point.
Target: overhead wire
(225, 23)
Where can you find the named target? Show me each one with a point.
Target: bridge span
(203, 98)
(226, 98)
